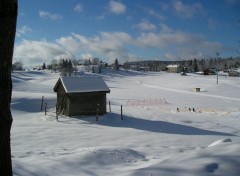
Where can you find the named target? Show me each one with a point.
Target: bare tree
(8, 20)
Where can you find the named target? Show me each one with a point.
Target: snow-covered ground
(153, 139)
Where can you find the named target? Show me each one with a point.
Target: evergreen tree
(69, 67)
(202, 64)
(44, 66)
(116, 64)
(93, 70)
(18, 65)
(100, 66)
(225, 66)
(54, 65)
(63, 68)
(126, 65)
(195, 65)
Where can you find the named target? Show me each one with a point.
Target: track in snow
(187, 92)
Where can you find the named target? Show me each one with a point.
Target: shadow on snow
(114, 120)
(32, 105)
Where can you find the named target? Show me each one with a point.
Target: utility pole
(217, 66)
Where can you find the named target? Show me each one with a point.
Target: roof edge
(56, 85)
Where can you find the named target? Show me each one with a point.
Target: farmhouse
(81, 95)
(174, 68)
(235, 73)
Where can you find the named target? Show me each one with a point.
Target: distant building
(208, 71)
(134, 67)
(81, 95)
(235, 73)
(174, 68)
(144, 68)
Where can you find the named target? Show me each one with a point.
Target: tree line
(192, 65)
(68, 66)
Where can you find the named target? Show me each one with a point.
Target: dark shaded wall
(87, 103)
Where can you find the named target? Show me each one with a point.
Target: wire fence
(122, 105)
(147, 102)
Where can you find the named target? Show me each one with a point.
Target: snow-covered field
(153, 139)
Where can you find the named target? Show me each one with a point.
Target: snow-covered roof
(83, 84)
(172, 66)
(234, 70)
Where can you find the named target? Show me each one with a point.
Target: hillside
(152, 139)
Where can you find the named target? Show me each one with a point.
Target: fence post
(121, 113)
(45, 108)
(97, 112)
(109, 106)
(56, 112)
(42, 103)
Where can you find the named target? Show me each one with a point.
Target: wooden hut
(81, 95)
(197, 89)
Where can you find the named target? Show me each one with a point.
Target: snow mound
(111, 155)
(219, 142)
(82, 161)
(221, 161)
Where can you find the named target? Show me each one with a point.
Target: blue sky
(126, 29)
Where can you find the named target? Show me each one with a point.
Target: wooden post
(45, 108)
(56, 112)
(42, 103)
(97, 112)
(109, 106)
(121, 113)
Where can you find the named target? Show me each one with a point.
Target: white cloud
(184, 44)
(69, 43)
(146, 26)
(101, 17)
(107, 44)
(117, 7)
(47, 15)
(153, 13)
(170, 56)
(186, 11)
(36, 52)
(165, 28)
(23, 31)
(162, 40)
(78, 8)
(203, 49)
(86, 56)
(110, 45)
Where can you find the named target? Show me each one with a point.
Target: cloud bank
(36, 52)
(173, 45)
(23, 31)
